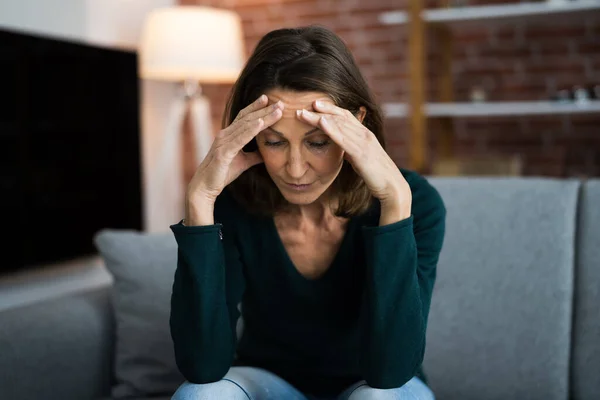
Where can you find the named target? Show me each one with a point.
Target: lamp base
(190, 103)
(199, 108)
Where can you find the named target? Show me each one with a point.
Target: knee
(223, 389)
(366, 392)
(412, 390)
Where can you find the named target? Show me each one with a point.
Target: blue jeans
(247, 383)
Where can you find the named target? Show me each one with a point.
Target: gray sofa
(515, 312)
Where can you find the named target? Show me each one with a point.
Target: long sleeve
(207, 289)
(401, 268)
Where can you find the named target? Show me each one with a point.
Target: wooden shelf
(508, 11)
(417, 111)
(393, 18)
(494, 109)
(493, 12)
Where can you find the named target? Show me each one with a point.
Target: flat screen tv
(69, 147)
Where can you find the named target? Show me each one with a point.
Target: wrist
(199, 193)
(396, 198)
(395, 209)
(390, 215)
(199, 211)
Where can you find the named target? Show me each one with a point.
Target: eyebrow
(282, 135)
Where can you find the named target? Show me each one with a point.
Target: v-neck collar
(291, 267)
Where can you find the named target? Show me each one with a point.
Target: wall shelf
(442, 20)
(493, 109)
(393, 18)
(492, 12)
(508, 11)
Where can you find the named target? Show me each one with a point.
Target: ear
(362, 112)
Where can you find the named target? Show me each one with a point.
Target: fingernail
(262, 98)
(319, 103)
(298, 113)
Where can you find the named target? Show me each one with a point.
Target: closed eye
(319, 145)
(273, 144)
(315, 145)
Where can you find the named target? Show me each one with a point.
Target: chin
(301, 198)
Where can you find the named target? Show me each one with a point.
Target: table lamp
(190, 45)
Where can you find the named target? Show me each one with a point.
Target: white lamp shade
(191, 42)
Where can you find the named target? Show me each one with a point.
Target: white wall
(114, 23)
(62, 18)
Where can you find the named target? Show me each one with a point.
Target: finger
(274, 114)
(266, 111)
(352, 138)
(260, 113)
(318, 120)
(322, 121)
(244, 133)
(346, 133)
(329, 108)
(256, 105)
(248, 129)
(249, 121)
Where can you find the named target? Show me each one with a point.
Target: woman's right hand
(226, 161)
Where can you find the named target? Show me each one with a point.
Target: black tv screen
(69, 147)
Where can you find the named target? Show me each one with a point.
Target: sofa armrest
(58, 349)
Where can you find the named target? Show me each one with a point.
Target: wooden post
(417, 74)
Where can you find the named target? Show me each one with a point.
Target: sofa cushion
(143, 266)
(500, 319)
(586, 326)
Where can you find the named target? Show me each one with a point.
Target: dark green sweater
(365, 318)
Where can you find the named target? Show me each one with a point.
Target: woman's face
(302, 161)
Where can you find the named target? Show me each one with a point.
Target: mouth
(298, 187)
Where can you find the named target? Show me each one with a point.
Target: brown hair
(303, 59)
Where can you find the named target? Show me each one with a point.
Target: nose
(296, 165)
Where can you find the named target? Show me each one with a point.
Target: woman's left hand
(365, 154)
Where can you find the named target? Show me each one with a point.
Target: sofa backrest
(585, 382)
(500, 321)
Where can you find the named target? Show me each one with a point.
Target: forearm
(200, 321)
(394, 329)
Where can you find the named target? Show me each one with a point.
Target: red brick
(489, 65)
(554, 47)
(464, 35)
(511, 50)
(591, 47)
(555, 30)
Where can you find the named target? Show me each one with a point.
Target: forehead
(293, 101)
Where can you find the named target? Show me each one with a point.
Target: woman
(298, 213)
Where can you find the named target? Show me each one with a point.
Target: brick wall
(516, 61)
